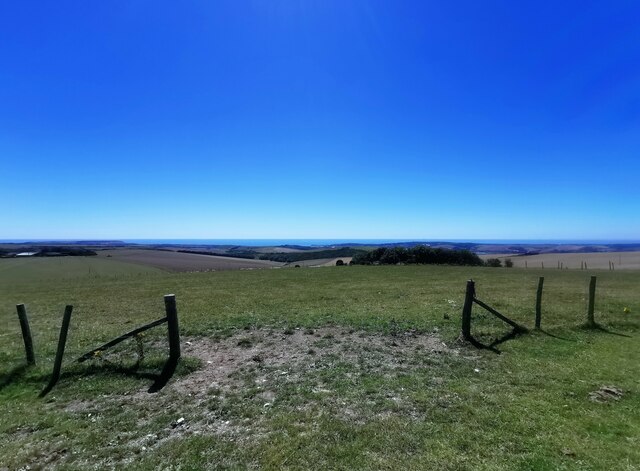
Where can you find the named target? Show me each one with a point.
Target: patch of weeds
(322, 343)
(245, 342)
(394, 328)
(188, 365)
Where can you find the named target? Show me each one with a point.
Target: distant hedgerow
(420, 254)
(493, 262)
(292, 257)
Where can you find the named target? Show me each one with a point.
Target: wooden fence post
(26, 334)
(62, 341)
(172, 325)
(539, 302)
(466, 310)
(592, 300)
(174, 344)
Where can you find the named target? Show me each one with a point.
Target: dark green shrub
(420, 254)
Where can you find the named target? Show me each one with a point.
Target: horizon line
(325, 239)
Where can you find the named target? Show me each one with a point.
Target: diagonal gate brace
(173, 331)
(503, 318)
(122, 338)
(470, 298)
(169, 367)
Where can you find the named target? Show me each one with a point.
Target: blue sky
(327, 119)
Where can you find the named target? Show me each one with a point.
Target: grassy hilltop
(334, 368)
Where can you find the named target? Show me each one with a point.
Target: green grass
(43, 269)
(527, 408)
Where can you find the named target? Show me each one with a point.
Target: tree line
(311, 255)
(49, 251)
(420, 254)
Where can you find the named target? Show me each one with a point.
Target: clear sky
(299, 119)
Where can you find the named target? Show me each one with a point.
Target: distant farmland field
(572, 261)
(321, 262)
(35, 268)
(180, 262)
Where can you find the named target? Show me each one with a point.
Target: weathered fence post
(172, 325)
(62, 341)
(26, 334)
(539, 302)
(174, 344)
(466, 310)
(592, 300)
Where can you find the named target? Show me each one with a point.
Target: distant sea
(312, 242)
(324, 242)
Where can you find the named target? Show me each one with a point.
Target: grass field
(334, 368)
(39, 269)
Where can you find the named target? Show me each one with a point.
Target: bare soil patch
(606, 394)
(249, 374)
(294, 351)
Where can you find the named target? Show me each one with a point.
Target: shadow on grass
(600, 328)
(159, 379)
(166, 374)
(549, 334)
(492, 346)
(13, 375)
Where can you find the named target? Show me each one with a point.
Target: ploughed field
(353, 367)
(574, 261)
(178, 261)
